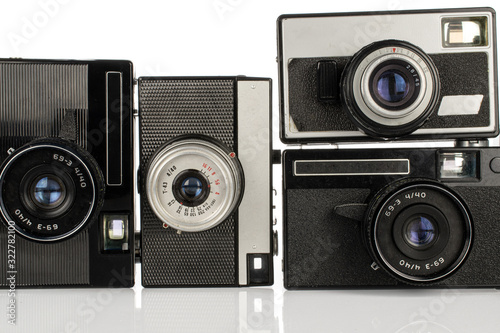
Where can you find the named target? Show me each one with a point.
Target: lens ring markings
(388, 219)
(370, 113)
(218, 171)
(26, 168)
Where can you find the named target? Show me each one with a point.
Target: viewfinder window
(465, 31)
(458, 166)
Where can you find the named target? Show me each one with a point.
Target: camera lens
(390, 88)
(49, 191)
(419, 231)
(191, 187)
(59, 189)
(193, 183)
(46, 192)
(393, 86)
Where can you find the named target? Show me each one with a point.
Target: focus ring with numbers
(193, 183)
(51, 189)
(418, 230)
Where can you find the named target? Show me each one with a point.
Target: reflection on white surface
(156, 310)
(70, 310)
(207, 310)
(392, 311)
(253, 310)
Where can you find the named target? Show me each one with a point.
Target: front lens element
(420, 231)
(191, 187)
(392, 86)
(49, 191)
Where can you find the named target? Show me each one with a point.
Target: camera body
(381, 216)
(66, 174)
(205, 161)
(391, 218)
(67, 180)
(427, 74)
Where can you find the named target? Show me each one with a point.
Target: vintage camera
(412, 74)
(205, 169)
(66, 174)
(391, 218)
(67, 177)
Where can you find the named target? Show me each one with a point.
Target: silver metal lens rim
(416, 278)
(7, 217)
(215, 153)
(367, 104)
(370, 102)
(165, 213)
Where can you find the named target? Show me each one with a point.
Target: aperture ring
(429, 264)
(373, 118)
(73, 166)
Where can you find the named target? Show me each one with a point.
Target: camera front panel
(201, 139)
(333, 89)
(348, 222)
(66, 184)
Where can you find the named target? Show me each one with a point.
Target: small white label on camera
(460, 105)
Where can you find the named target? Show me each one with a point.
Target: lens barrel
(50, 189)
(418, 230)
(390, 88)
(193, 183)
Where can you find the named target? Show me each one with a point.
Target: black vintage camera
(205, 181)
(66, 174)
(346, 75)
(392, 218)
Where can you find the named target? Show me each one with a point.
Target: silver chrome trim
(305, 37)
(254, 144)
(370, 108)
(185, 153)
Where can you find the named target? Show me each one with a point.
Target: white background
(212, 37)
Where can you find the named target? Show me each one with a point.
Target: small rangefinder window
(464, 31)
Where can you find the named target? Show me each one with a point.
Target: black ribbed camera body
(66, 174)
